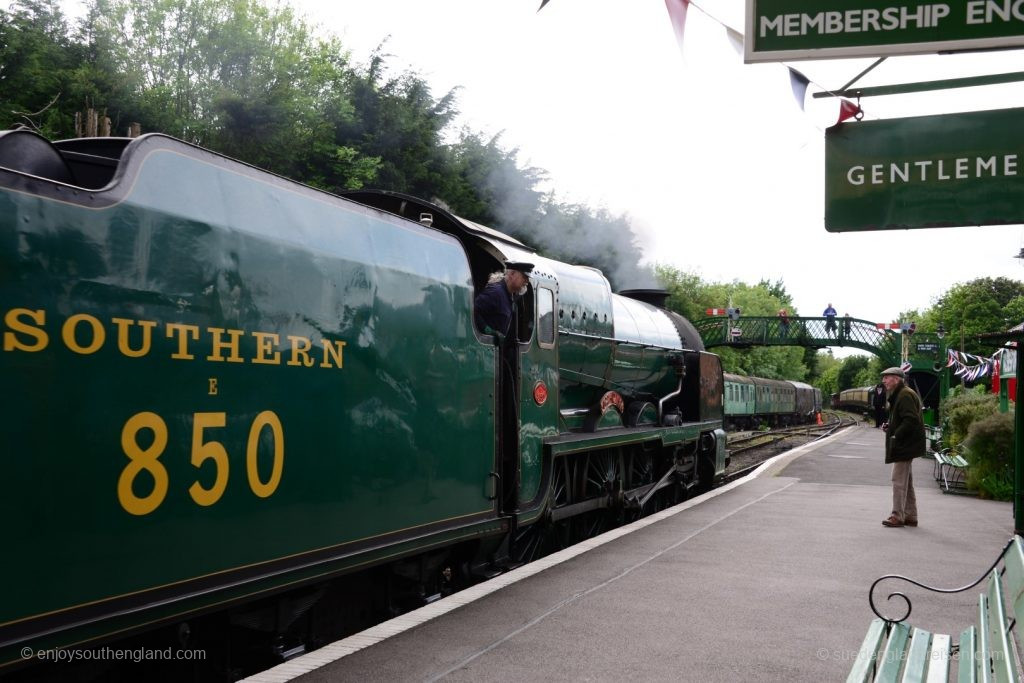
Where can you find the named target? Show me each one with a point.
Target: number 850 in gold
(148, 459)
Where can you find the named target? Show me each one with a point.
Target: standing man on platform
(904, 441)
(878, 403)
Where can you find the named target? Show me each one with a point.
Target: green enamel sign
(823, 29)
(925, 172)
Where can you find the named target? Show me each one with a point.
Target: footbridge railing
(818, 333)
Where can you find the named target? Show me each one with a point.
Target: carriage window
(545, 316)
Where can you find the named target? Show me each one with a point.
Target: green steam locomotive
(227, 391)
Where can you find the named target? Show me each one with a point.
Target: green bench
(895, 651)
(949, 471)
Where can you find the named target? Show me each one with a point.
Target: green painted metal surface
(739, 395)
(609, 343)
(233, 372)
(539, 395)
(226, 383)
(925, 171)
(825, 29)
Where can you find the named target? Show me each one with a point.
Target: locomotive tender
(226, 386)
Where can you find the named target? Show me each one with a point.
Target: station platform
(765, 579)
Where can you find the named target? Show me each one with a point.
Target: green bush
(960, 410)
(990, 454)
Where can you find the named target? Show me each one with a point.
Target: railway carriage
(753, 401)
(857, 399)
(739, 401)
(229, 391)
(808, 401)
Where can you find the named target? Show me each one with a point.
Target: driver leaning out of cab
(495, 303)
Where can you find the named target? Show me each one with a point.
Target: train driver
(495, 303)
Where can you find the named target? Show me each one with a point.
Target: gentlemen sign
(822, 29)
(925, 172)
(932, 171)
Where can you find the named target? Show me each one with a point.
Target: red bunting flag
(849, 110)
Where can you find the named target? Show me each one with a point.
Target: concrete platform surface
(766, 581)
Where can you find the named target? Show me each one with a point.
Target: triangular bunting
(849, 110)
(677, 15)
(799, 83)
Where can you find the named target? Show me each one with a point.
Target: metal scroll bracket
(889, 622)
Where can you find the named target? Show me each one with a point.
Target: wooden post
(104, 131)
(134, 129)
(91, 123)
(79, 129)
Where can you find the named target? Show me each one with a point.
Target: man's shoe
(910, 522)
(891, 521)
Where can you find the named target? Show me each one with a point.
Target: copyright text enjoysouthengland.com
(113, 654)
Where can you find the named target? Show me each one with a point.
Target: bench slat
(938, 659)
(968, 646)
(984, 651)
(917, 656)
(892, 657)
(864, 668)
(1001, 657)
(1014, 578)
(988, 652)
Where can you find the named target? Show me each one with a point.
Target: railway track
(748, 451)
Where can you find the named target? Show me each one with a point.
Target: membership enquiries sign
(823, 29)
(925, 172)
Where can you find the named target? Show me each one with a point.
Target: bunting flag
(799, 83)
(677, 15)
(970, 367)
(849, 110)
(542, 3)
(735, 39)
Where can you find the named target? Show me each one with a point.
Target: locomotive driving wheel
(601, 479)
(547, 536)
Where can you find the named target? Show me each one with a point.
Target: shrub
(961, 410)
(990, 454)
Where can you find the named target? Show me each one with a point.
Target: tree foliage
(977, 307)
(690, 296)
(253, 80)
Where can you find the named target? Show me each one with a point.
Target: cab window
(524, 308)
(545, 316)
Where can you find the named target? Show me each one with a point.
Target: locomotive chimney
(654, 297)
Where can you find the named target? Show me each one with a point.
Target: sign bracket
(922, 86)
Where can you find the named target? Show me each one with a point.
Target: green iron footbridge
(925, 351)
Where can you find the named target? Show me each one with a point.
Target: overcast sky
(719, 169)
